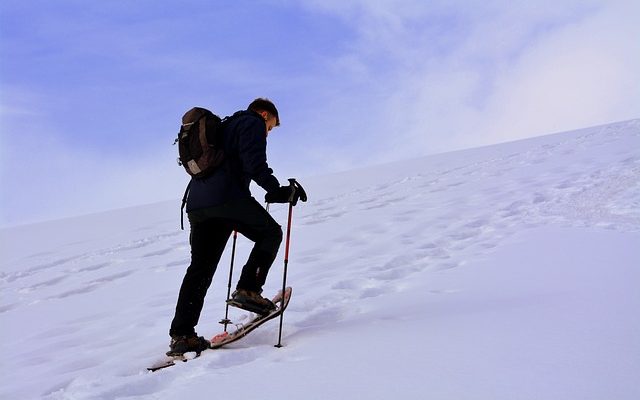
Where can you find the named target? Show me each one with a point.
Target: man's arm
(252, 150)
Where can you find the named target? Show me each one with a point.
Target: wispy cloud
(50, 179)
(96, 91)
(437, 76)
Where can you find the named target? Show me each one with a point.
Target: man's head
(267, 110)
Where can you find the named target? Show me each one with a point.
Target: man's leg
(255, 223)
(208, 240)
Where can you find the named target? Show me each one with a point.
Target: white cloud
(404, 78)
(438, 76)
(584, 74)
(49, 179)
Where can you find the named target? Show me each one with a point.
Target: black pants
(210, 231)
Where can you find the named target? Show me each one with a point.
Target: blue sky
(91, 93)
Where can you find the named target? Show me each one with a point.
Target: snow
(504, 272)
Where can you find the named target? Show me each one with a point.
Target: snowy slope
(504, 272)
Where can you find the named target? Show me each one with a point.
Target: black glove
(283, 194)
(287, 194)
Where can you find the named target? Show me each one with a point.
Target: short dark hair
(261, 104)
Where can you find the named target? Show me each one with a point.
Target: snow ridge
(425, 247)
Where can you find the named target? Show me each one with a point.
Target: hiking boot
(185, 344)
(251, 301)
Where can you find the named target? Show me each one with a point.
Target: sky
(91, 93)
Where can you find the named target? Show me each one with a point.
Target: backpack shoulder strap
(184, 203)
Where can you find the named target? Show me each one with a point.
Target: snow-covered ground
(504, 272)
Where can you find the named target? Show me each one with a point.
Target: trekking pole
(226, 321)
(284, 278)
(298, 193)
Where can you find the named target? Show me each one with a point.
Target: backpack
(199, 146)
(200, 142)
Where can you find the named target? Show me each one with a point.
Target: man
(221, 203)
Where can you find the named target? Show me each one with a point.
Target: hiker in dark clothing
(222, 203)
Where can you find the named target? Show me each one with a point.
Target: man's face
(270, 121)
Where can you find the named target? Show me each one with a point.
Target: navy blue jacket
(245, 149)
